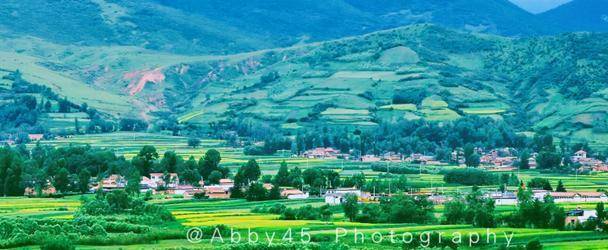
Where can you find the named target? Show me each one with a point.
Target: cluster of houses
(159, 183)
(331, 153)
(573, 217)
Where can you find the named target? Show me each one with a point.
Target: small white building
(580, 216)
(337, 196)
(593, 196)
(500, 198)
(334, 199)
(294, 194)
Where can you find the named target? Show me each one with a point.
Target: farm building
(112, 182)
(217, 192)
(559, 197)
(159, 178)
(370, 158)
(503, 198)
(321, 153)
(293, 194)
(337, 196)
(579, 216)
(48, 190)
(226, 183)
(35, 137)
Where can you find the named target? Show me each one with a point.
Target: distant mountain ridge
(231, 26)
(578, 15)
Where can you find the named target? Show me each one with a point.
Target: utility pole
(388, 171)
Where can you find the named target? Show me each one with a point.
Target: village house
(293, 194)
(532, 162)
(587, 162)
(159, 178)
(420, 158)
(183, 189)
(502, 198)
(35, 137)
(578, 155)
(593, 196)
(46, 191)
(337, 196)
(322, 153)
(370, 158)
(579, 216)
(392, 157)
(439, 199)
(8, 142)
(226, 183)
(267, 186)
(217, 192)
(560, 197)
(147, 184)
(112, 182)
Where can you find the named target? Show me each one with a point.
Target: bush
(57, 243)
(470, 177)
(414, 96)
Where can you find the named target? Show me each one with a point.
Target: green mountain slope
(124, 22)
(229, 26)
(417, 72)
(414, 72)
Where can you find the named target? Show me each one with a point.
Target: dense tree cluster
(470, 177)
(396, 209)
(474, 209)
(69, 169)
(536, 213)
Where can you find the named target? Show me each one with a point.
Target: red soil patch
(139, 79)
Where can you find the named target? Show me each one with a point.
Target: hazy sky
(537, 6)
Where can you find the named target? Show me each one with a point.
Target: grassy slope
(474, 74)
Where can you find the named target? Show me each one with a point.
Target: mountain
(125, 23)
(579, 15)
(230, 26)
(414, 72)
(321, 20)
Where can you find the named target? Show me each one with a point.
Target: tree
(454, 212)
(64, 105)
(541, 183)
(256, 192)
(170, 162)
(350, 206)
(471, 158)
(600, 214)
(295, 178)
(194, 142)
(209, 162)
(76, 125)
(133, 181)
(61, 180)
(214, 177)
(274, 193)
(560, 187)
(251, 171)
(548, 160)
(47, 106)
(524, 160)
(144, 161)
(83, 180)
(188, 172)
(11, 167)
(118, 200)
(282, 176)
(534, 245)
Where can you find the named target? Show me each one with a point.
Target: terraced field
(39, 207)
